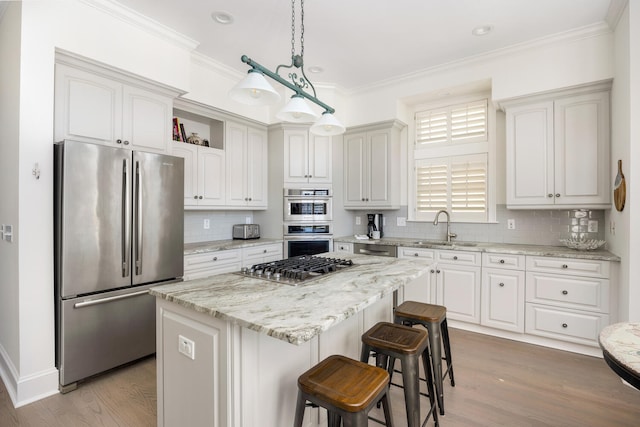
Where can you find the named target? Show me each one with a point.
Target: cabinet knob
(455, 257)
(310, 176)
(549, 195)
(433, 271)
(564, 325)
(264, 251)
(438, 271)
(118, 141)
(126, 142)
(363, 199)
(565, 266)
(200, 197)
(215, 258)
(565, 292)
(557, 194)
(416, 254)
(250, 199)
(501, 261)
(501, 285)
(195, 197)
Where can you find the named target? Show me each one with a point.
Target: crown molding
(615, 11)
(142, 22)
(586, 32)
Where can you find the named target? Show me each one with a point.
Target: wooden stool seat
(434, 319)
(391, 341)
(346, 388)
(422, 312)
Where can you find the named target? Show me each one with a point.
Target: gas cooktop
(296, 270)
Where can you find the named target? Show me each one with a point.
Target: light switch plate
(401, 221)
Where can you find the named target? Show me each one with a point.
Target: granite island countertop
(504, 248)
(295, 314)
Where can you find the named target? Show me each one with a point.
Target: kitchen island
(230, 348)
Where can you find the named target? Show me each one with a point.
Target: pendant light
(255, 90)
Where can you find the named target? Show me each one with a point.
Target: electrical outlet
(187, 347)
(207, 224)
(358, 220)
(247, 220)
(592, 226)
(511, 224)
(612, 228)
(401, 221)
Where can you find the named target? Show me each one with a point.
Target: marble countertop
(222, 245)
(504, 248)
(295, 314)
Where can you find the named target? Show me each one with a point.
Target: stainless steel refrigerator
(119, 230)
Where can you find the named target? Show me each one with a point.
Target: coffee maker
(375, 224)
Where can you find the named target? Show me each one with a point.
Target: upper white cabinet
(558, 150)
(247, 164)
(307, 157)
(204, 174)
(372, 166)
(105, 108)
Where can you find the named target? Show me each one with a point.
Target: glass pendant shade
(254, 90)
(327, 125)
(297, 111)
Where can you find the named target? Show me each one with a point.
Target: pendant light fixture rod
(283, 82)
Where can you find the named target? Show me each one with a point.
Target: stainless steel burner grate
(296, 270)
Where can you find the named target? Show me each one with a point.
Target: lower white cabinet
(567, 299)
(207, 264)
(259, 254)
(503, 288)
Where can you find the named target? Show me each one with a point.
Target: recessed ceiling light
(482, 30)
(315, 69)
(223, 18)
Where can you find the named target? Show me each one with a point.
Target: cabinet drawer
(584, 293)
(570, 266)
(564, 324)
(459, 257)
(210, 259)
(426, 254)
(343, 247)
(262, 251)
(512, 262)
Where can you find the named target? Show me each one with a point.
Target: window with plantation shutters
(457, 184)
(457, 123)
(451, 158)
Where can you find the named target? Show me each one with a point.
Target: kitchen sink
(443, 243)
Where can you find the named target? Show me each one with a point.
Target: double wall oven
(308, 215)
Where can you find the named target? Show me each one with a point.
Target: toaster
(246, 231)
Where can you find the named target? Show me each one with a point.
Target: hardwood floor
(498, 383)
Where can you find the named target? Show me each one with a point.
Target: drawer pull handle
(433, 271)
(416, 254)
(557, 194)
(501, 285)
(501, 261)
(565, 292)
(549, 195)
(264, 251)
(215, 258)
(564, 325)
(438, 271)
(455, 258)
(565, 266)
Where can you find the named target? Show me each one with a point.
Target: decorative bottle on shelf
(194, 139)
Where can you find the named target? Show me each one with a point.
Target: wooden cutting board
(619, 189)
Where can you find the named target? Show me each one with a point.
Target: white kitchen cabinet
(307, 157)
(343, 247)
(204, 175)
(423, 290)
(558, 150)
(567, 299)
(247, 166)
(502, 294)
(260, 254)
(457, 283)
(208, 264)
(103, 107)
(372, 166)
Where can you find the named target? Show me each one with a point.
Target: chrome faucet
(450, 235)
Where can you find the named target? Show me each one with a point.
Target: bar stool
(393, 341)
(347, 389)
(434, 318)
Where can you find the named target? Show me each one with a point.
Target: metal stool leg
(447, 351)
(300, 407)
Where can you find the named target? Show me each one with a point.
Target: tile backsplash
(220, 224)
(535, 227)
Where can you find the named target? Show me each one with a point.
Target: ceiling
(359, 43)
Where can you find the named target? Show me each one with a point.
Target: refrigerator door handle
(126, 218)
(109, 299)
(138, 231)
